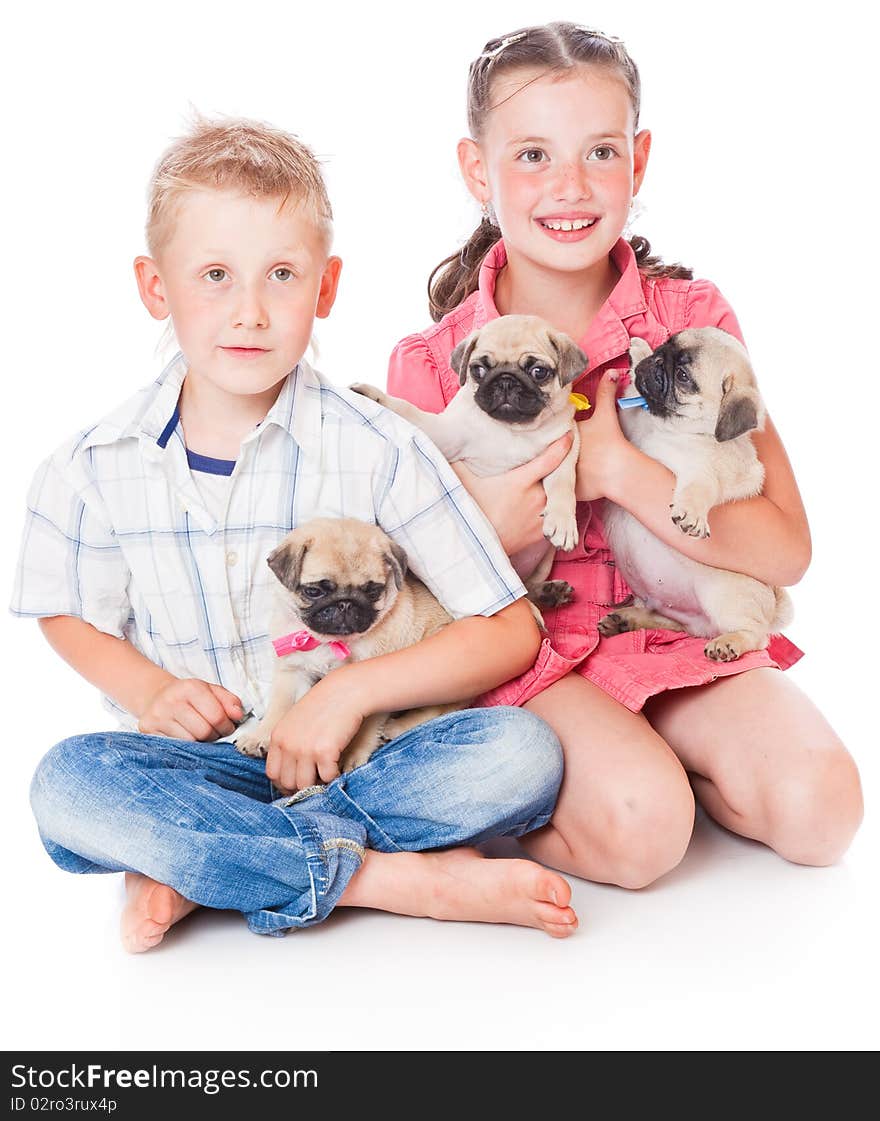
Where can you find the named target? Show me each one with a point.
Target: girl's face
(560, 164)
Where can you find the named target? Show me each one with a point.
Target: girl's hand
(306, 744)
(187, 708)
(513, 502)
(603, 445)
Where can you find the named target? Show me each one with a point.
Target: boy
(143, 558)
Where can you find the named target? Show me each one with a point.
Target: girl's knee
(636, 829)
(813, 816)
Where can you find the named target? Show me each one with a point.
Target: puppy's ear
(397, 562)
(741, 410)
(638, 350)
(460, 357)
(286, 562)
(571, 360)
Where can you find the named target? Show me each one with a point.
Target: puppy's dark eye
(683, 378)
(477, 371)
(373, 591)
(541, 373)
(312, 591)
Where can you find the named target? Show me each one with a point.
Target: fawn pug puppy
(343, 594)
(514, 401)
(702, 402)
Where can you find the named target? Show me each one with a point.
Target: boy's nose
(251, 311)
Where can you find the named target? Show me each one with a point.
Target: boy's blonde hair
(240, 154)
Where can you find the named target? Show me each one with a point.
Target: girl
(555, 158)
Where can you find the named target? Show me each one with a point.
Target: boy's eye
(602, 153)
(531, 155)
(282, 273)
(216, 275)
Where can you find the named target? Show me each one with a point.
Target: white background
(763, 179)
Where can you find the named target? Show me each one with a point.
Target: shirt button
(231, 558)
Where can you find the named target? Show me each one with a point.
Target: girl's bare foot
(462, 884)
(151, 909)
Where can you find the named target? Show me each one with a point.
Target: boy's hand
(190, 709)
(306, 744)
(513, 502)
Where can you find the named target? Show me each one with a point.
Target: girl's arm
(766, 537)
(460, 662)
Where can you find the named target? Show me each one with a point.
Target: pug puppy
(514, 401)
(343, 595)
(702, 402)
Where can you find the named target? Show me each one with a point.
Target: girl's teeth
(578, 224)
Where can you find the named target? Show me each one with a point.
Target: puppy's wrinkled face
(701, 380)
(342, 575)
(517, 367)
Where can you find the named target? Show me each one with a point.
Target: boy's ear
(470, 162)
(151, 288)
(329, 284)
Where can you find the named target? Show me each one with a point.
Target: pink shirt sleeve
(413, 375)
(706, 307)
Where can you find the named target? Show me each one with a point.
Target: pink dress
(634, 666)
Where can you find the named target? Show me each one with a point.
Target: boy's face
(242, 279)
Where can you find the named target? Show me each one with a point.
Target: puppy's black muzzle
(348, 615)
(510, 397)
(655, 380)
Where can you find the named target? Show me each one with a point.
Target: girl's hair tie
(504, 43)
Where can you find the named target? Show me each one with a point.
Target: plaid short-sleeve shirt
(117, 532)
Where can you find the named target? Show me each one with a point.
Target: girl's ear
(150, 286)
(641, 151)
(329, 284)
(470, 161)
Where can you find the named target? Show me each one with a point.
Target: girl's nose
(573, 182)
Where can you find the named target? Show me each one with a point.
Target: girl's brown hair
(553, 46)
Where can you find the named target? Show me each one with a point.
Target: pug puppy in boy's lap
(343, 594)
(513, 402)
(702, 403)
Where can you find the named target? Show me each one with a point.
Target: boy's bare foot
(151, 909)
(462, 884)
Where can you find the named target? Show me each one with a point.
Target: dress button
(231, 558)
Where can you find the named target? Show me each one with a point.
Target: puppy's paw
(689, 522)
(551, 593)
(560, 529)
(255, 744)
(724, 648)
(615, 622)
(370, 391)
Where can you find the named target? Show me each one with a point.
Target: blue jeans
(205, 819)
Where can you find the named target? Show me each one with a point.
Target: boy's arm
(459, 662)
(184, 708)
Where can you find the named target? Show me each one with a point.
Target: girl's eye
(216, 275)
(531, 155)
(602, 153)
(283, 273)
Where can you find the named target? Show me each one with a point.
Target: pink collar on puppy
(303, 640)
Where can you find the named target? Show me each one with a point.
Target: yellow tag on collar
(580, 402)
